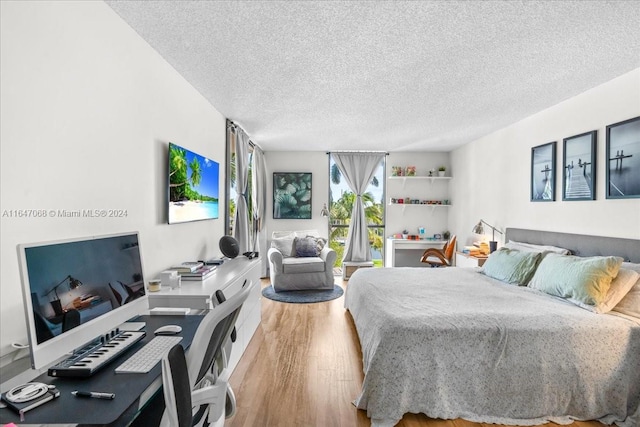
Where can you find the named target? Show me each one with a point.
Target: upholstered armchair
(300, 260)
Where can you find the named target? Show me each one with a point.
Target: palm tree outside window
(341, 200)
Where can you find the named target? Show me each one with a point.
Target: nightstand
(466, 260)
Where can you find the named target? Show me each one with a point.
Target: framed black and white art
(543, 164)
(623, 159)
(579, 167)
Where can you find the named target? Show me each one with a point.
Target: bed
(455, 343)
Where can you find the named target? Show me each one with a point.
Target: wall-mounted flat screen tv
(193, 186)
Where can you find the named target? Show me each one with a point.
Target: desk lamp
(56, 303)
(479, 229)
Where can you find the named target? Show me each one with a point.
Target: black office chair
(70, 320)
(196, 389)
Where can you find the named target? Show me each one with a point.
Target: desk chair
(70, 320)
(120, 293)
(440, 257)
(196, 389)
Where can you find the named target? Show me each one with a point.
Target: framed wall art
(291, 195)
(623, 159)
(543, 168)
(579, 166)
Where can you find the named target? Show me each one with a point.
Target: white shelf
(424, 205)
(404, 205)
(429, 178)
(419, 178)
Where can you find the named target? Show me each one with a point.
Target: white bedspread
(453, 343)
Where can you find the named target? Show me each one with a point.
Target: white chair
(196, 388)
(289, 270)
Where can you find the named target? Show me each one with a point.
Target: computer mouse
(168, 330)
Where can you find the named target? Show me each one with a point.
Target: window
(341, 200)
(231, 185)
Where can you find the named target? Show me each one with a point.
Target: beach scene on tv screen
(193, 186)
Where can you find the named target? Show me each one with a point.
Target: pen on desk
(94, 394)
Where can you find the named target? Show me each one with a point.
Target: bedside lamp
(56, 303)
(479, 229)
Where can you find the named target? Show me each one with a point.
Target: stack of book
(187, 267)
(472, 250)
(200, 273)
(194, 270)
(484, 248)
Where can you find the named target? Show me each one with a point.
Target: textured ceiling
(397, 76)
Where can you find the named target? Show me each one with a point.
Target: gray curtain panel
(241, 230)
(357, 169)
(259, 194)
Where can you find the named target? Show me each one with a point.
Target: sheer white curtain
(241, 230)
(357, 170)
(258, 195)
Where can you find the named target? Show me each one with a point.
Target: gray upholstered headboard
(579, 244)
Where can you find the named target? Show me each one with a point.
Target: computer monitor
(76, 290)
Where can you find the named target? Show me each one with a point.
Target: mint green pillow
(586, 280)
(511, 266)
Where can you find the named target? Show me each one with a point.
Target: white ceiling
(397, 76)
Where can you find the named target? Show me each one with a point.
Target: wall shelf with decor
(440, 200)
(421, 181)
(422, 205)
(431, 179)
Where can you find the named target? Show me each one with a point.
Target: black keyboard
(88, 360)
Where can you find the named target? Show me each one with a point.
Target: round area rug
(303, 297)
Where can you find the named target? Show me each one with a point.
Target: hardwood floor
(303, 367)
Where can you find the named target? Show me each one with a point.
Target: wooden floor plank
(303, 368)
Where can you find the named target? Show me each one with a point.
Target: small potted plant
(405, 234)
(446, 235)
(441, 170)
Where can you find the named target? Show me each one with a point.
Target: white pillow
(285, 246)
(530, 247)
(620, 287)
(520, 247)
(630, 303)
(283, 234)
(631, 266)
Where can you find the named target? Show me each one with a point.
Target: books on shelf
(187, 266)
(199, 274)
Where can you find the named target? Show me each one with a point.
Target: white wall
(316, 162)
(87, 111)
(400, 217)
(492, 175)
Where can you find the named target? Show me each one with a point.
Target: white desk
(406, 253)
(200, 294)
(228, 277)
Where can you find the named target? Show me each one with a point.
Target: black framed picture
(291, 195)
(579, 166)
(543, 172)
(623, 159)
